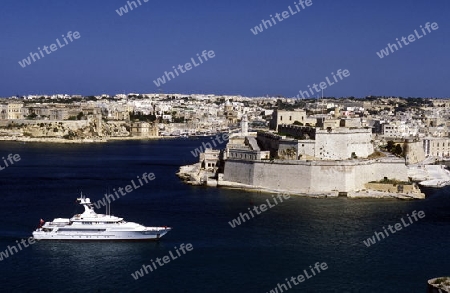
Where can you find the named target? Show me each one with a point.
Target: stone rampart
(314, 176)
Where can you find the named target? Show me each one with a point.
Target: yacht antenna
(108, 205)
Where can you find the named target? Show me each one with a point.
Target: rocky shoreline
(78, 141)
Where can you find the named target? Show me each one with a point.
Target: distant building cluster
(418, 127)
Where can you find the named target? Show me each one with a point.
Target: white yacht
(92, 226)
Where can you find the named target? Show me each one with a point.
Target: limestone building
(339, 143)
(210, 160)
(287, 117)
(143, 129)
(343, 143)
(414, 151)
(437, 147)
(11, 110)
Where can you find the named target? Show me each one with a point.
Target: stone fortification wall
(406, 188)
(296, 131)
(291, 177)
(269, 142)
(332, 177)
(239, 171)
(414, 152)
(340, 143)
(296, 149)
(288, 150)
(249, 155)
(314, 176)
(306, 149)
(329, 144)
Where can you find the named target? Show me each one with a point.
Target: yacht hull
(106, 235)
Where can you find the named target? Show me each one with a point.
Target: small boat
(92, 226)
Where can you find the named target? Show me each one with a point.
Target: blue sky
(123, 54)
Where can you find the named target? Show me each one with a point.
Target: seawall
(314, 176)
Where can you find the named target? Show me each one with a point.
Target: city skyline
(298, 44)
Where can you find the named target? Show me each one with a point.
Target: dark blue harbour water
(252, 257)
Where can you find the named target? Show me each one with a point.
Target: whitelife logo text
(130, 4)
(146, 269)
(281, 16)
(169, 75)
(398, 226)
(49, 49)
(262, 208)
(411, 38)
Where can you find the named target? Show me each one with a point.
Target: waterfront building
(210, 160)
(143, 129)
(11, 110)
